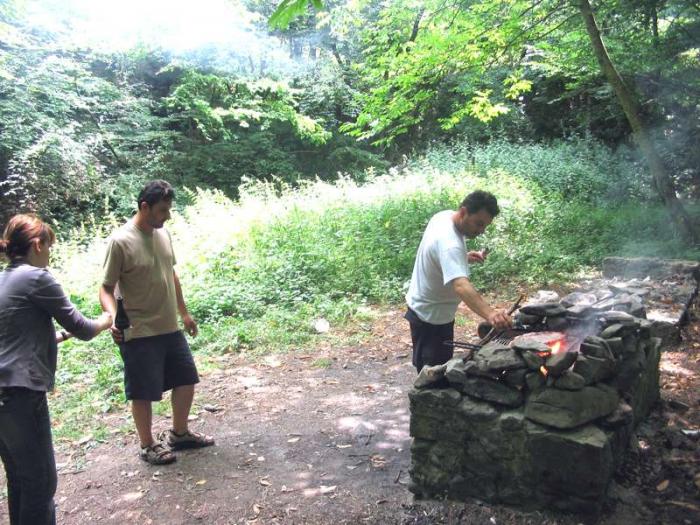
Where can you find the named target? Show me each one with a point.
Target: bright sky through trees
(176, 25)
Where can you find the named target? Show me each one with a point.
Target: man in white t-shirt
(440, 279)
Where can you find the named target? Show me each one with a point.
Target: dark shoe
(157, 454)
(187, 440)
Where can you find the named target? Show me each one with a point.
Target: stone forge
(542, 420)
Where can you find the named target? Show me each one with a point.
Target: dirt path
(320, 437)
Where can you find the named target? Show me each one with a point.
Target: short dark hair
(156, 191)
(481, 200)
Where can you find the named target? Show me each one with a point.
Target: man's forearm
(181, 306)
(107, 300)
(472, 298)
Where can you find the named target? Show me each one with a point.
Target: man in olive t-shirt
(139, 267)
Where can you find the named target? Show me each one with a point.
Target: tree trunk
(662, 181)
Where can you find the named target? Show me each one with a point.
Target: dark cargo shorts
(153, 365)
(429, 346)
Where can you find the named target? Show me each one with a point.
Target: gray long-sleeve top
(29, 298)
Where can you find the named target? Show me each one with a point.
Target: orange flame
(543, 370)
(556, 347)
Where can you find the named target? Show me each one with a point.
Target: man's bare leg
(141, 410)
(181, 401)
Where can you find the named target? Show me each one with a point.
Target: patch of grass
(322, 362)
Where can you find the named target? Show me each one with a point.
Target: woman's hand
(104, 321)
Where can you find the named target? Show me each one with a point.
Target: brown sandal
(157, 454)
(189, 439)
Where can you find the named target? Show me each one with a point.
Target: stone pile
(524, 424)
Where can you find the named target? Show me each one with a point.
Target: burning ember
(556, 341)
(556, 346)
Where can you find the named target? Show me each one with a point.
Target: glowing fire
(556, 346)
(543, 370)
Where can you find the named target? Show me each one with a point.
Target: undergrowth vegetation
(257, 272)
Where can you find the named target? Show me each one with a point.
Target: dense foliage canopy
(81, 128)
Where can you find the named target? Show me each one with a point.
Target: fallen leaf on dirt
(293, 440)
(377, 460)
(211, 408)
(286, 489)
(663, 485)
(351, 467)
(380, 501)
(327, 490)
(264, 482)
(343, 446)
(201, 482)
(132, 496)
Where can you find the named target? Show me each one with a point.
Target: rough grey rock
(572, 468)
(580, 299)
(494, 391)
(621, 416)
(430, 375)
(456, 371)
(612, 317)
(593, 369)
(616, 346)
(528, 319)
(516, 378)
(531, 345)
(557, 324)
(534, 380)
(629, 289)
(533, 361)
(544, 309)
(496, 356)
(596, 347)
(569, 409)
(435, 398)
(579, 311)
(570, 381)
(557, 363)
(615, 330)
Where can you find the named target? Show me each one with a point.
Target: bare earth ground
(321, 436)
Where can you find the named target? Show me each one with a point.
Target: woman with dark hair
(30, 298)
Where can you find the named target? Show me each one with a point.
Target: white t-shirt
(441, 258)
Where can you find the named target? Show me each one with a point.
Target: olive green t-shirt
(141, 267)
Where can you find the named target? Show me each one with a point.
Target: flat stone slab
(497, 356)
(544, 309)
(494, 391)
(566, 409)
